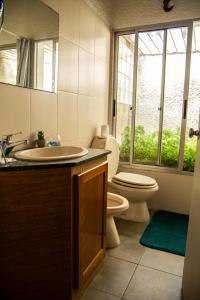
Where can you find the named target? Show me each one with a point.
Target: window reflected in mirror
(8, 64)
(29, 45)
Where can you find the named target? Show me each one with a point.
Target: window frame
(136, 31)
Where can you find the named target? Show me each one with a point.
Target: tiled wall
(81, 104)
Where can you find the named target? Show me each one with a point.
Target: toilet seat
(132, 186)
(133, 180)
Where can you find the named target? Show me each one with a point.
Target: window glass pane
(193, 101)
(150, 56)
(124, 94)
(45, 65)
(173, 101)
(8, 65)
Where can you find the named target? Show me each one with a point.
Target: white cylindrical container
(104, 131)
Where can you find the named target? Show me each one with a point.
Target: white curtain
(23, 62)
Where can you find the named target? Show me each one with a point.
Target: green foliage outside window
(145, 148)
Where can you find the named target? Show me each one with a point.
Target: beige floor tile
(129, 249)
(163, 261)
(129, 228)
(93, 294)
(150, 284)
(114, 276)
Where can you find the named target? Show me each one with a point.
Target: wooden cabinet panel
(35, 235)
(90, 217)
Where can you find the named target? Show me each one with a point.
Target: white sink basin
(51, 153)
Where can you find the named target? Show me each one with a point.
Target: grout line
(136, 265)
(142, 255)
(129, 282)
(139, 264)
(105, 292)
(118, 258)
(123, 259)
(148, 267)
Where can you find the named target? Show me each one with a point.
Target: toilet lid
(132, 179)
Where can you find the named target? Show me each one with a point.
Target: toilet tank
(111, 144)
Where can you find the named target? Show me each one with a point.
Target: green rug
(166, 231)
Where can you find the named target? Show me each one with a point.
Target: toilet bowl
(116, 204)
(135, 187)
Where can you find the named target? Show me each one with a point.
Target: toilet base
(112, 236)
(137, 212)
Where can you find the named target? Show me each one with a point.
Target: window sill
(158, 169)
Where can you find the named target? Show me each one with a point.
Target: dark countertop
(20, 165)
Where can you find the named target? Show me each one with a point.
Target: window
(8, 64)
(158, 96)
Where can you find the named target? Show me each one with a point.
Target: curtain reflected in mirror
(29, 45)
(1, 13)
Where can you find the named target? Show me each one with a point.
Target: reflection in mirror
(1, 13)
(29, 45)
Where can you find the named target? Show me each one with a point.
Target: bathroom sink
(51, 153)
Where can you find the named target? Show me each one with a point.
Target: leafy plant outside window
(145, 147)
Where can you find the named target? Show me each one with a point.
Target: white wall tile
(44, 113)
(85, 117)
(68, 66)
(102, 39)
(67, 117)
(100, 116)
(15, 110)
(87, 27)
(100, 77)
(84, 142)
(69, 11)
(52, 3)
(86, 73)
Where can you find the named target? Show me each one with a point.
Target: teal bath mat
(166, 231)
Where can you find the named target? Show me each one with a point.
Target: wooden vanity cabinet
(90, 213)
(52, 229)
(35, 235)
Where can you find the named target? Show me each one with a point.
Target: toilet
(116, 204)
(135, 187)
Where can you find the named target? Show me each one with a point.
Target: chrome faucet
(7, 145)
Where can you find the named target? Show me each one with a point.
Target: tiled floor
(134, 272)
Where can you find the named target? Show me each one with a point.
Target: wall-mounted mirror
(29, 45)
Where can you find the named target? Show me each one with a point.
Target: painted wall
(174, 190)
(191, 272)
(131, 13)
(81, 103)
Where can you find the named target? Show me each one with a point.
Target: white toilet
(136, 188)
(116, 204)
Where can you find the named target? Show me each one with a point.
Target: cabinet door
(90, 220)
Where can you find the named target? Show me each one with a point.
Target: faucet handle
(8, 137)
